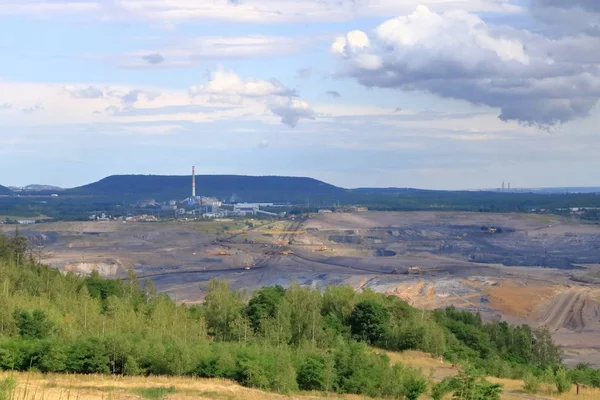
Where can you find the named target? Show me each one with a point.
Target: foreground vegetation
(279, 340)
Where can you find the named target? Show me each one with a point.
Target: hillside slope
(226, 187)
(4, 190)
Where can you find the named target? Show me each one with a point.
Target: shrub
(531, 383)
(562, 381)
(311, 374)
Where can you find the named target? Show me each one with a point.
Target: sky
(437, 94)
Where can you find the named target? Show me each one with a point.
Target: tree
(369, 321)
(223, 307)
(562, 381)
(544, 351)
(264, 304)
(18, 246)
(312, 374)
(34, 325)
(471, 385)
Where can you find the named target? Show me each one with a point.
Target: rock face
(104, 269)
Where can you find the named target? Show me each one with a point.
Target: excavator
(221, 253)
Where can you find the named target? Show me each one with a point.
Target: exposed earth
(535, 269)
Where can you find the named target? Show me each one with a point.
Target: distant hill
(236, 188)
(4, 190)
(36, 188)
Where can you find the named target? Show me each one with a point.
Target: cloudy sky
(440, 94)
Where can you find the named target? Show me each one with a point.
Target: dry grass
(34, 386)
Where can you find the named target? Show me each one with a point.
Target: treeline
(278, 339)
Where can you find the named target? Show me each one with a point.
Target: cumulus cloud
(263, 144)
(457, 55)
(228, 83)
(333, 93)
(227, 86)
(153, 58)
(290, 109)
(5, 106)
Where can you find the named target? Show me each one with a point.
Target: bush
(562, 381)
(87, 356)
(311, 374)
(369, 321)
(531, 384)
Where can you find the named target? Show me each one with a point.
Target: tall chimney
(194, 181)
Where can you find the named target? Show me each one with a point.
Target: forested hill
(4, 190)
(226, 187)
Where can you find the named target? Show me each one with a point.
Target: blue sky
(445, 94)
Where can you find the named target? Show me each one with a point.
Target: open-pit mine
(523, 268)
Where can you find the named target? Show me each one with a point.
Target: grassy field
(35, 386)
(32, 386)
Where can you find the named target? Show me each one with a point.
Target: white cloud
(224, 97)
(185, 52)
(457, 55)
(227, 86)
(228, 83)
(247, 11)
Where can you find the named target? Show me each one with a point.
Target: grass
(7, 386)
(36, 386)
(154, 393)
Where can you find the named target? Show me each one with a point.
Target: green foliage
(531, 383)
(312, 374)
(34, 325)
(561, 379)
(279, 339)
(87, 356)
(369, 322)
(471, 385)
(264, 304)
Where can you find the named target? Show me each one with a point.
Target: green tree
(264, 304)
(471, 385)
(312, 374)
(223, 307)
(562, 381)
(545, 351)
(369, 321)
(34, 325)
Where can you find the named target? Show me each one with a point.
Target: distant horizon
(498, 188)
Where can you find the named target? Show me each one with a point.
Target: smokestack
(194, 181)
(503, 186)
(509, 186)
